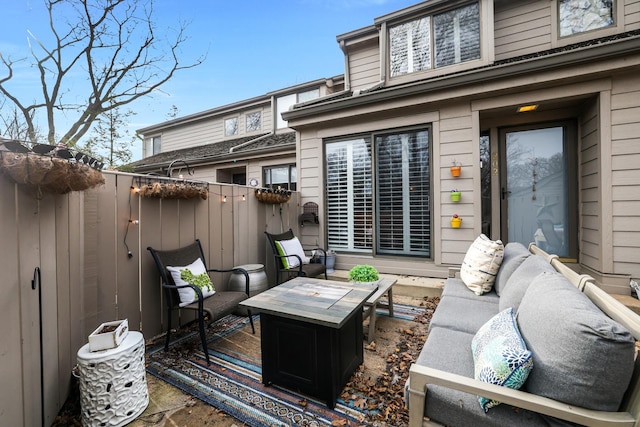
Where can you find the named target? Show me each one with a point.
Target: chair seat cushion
(194, 273)
(220, 304)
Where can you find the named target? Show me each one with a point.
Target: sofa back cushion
(515, 288)
(514, 254)
(581, 356)
(481, 263)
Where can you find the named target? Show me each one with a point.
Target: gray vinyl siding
(632, 15)
(211, 130)
(204, 132)
(590, 188)
(364, 65)
(625, 174)
(456, 141)
(522, 28)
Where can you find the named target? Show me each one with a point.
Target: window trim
(560, 41)
(224, 126)
(290, 166)
(487, 37)
(246, 118)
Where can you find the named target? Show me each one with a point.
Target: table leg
(372, 322)
(390, 297)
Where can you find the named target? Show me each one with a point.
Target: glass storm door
(538, 191)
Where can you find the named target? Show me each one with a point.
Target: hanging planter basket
(273, 197)
(48, 174)
(175, 190)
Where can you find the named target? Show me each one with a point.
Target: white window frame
(487, 37)
(247, 123)
(227, 130)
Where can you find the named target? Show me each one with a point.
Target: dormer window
(438, 40)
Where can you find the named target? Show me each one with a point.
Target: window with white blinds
(434, 41)
(348, 192)
(402, 193)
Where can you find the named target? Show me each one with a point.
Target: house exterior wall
(600, 96)
(522, 28)
(624, 152)
(211, 130)
(364, 64)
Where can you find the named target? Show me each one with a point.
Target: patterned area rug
(232, 382)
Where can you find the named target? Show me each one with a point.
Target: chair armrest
(422, 376)
(235, 270)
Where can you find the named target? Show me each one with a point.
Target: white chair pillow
(188, 295)
(289, 248)
(481, 264)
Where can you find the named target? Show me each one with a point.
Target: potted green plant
(363, 274)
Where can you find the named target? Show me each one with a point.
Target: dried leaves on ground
(380, 392)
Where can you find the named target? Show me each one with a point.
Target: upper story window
(435, 41)
(157, 144)
(579, 16)
(231, 126)
(283, 103)
(253, 121)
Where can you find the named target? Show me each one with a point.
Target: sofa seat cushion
(481, 263)
(581, 356)
(456, 288)
(514, 254)
(520, 280)
(450, 351)
(464, 314)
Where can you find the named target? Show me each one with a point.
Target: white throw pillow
(188, 295)
(292, 247)
(481, 264)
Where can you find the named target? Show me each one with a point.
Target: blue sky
(254, 47)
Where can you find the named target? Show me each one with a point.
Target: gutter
(490, 73)
(213, 159)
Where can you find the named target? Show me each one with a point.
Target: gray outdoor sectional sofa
(584, 366)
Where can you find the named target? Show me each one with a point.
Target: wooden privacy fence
(85, 254)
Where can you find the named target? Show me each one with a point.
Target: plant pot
(456, 222)
(455, 170)
(370, 285)
(331, 262)
(108, 335)
(455, 196)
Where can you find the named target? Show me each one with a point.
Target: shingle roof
(219, 150)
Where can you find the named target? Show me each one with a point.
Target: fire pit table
(311, 335)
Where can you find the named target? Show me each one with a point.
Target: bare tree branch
(111, 42)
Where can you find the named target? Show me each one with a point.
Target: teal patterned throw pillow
(500, 355)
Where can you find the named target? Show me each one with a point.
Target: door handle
(504, 192)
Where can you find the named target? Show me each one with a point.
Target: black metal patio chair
(311, 269)
(216, 306)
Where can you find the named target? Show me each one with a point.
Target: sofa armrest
(421, 376)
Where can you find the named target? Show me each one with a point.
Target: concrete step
(410, 286)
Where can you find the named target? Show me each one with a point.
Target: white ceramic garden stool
(258, 282)
(113, 383)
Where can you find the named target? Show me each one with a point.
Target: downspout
(347, 70)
